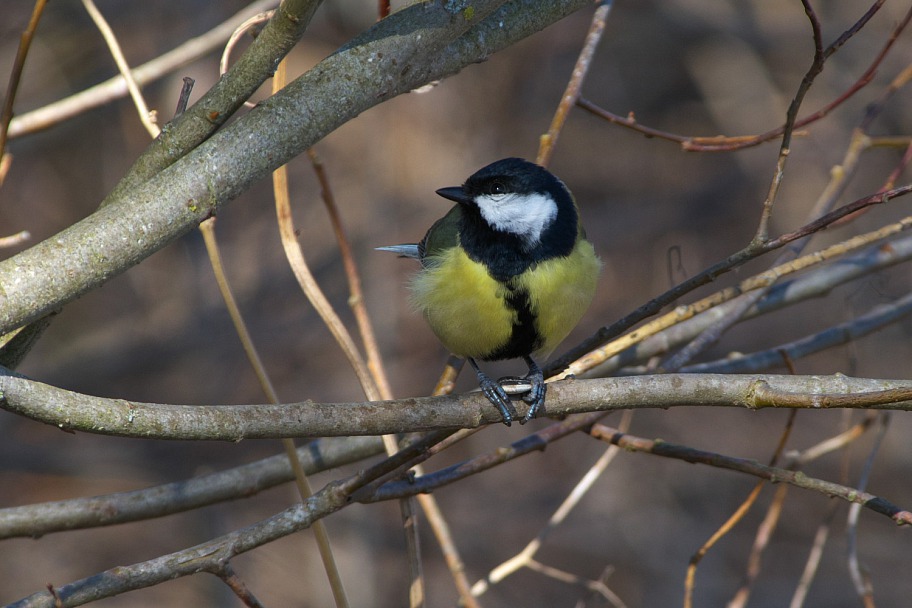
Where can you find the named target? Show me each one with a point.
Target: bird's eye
(498, 188)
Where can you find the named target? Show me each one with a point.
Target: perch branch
(77, 412)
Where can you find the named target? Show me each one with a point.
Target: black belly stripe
(524, 338)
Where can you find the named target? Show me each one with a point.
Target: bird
(507, 273)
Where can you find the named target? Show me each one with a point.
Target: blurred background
(160, 332)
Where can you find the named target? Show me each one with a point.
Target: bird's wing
(444, 234)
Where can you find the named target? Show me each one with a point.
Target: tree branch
(76, 412)
(39, 519)
(752, 467)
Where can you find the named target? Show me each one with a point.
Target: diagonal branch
(752, 467)
(39, 519)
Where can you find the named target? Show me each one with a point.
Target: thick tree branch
(412, 47)
(77, 412)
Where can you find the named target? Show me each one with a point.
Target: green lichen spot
(469, 12)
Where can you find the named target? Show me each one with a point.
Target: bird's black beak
(455, 193)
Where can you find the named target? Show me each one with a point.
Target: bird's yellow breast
(467, 310)
(561, 290)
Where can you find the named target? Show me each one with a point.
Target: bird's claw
(533, 392)
(497, 396)
(532, 385)
(536, 395)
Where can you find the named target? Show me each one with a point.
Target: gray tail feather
(408, 250)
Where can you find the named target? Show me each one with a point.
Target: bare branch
(575, 84)
(240, 482)
(843, 333)
(76, 412)
(25, 43)
(752, 467)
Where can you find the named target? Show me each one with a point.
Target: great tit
(506, 274)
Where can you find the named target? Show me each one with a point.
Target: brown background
(160, 333)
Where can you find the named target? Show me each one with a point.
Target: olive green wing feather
(444, 234)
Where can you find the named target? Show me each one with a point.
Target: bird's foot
(536, 395)
(532, 386)
(495, 394)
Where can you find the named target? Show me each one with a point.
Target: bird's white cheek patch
(525, 215)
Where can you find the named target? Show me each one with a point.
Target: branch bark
(76, 412)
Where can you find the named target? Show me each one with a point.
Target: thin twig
(184, 98)
(237, 586)
(313, 292)
(12, 87)
(729, 144)
(282, 198)
(356, 294)
(532, 443)
(761, 542)
(375, 366)
(734, 518)
(116, 87)
(594, 586)
(752, 467)
(575, 84)
(301, 481)
(861, 578)
(145, 116)
(526, 556)
(441, 529)
(837, 442)
(813, 560)
(15, 239)
(236, 35)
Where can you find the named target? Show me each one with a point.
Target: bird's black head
(515, 198)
